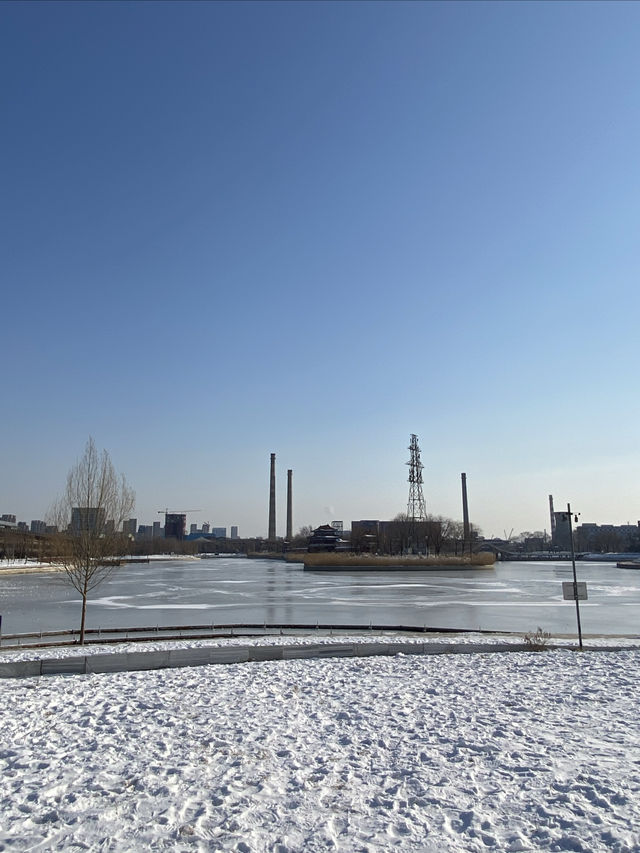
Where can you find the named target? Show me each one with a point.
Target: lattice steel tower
(416, 508)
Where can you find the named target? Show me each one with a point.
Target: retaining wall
(131, 661)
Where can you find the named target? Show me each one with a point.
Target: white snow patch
(510, 751)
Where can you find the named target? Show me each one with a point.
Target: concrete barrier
(20, 669)
(214, 655)
(188, 657)
(63, 666)
(106, 663)
(304, 651)
(337, 650)
(262, 653)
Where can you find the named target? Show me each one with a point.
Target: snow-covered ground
(24, 566)
(510, 751)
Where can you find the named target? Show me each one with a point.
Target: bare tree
(300, 539)
(88, 515)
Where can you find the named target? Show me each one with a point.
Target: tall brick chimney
(289, 506)
(272, 500)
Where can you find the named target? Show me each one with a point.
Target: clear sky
(312, 229)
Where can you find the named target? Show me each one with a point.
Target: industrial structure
(465, 511)
(416, 508)
(272, 500)
(289, 534)
(272, 534)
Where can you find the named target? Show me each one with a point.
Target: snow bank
(508, 751)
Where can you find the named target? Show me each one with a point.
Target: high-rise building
(193, 529)
(157, 530)
(87, 519)
(130, 527)
(175, 525)
(38, 526)
(206, 527)
(219, 532)
(234, 531)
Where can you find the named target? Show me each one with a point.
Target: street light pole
(575, 577)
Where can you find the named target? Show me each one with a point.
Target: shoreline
(31, 567)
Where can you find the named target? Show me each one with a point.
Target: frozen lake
(510, 597)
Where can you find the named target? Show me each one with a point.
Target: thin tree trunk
(84, 612)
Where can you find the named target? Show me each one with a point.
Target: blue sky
(313, 229)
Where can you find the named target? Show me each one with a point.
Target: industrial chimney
(465, 512)
(289, 506)
(272, 500)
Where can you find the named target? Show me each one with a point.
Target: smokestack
(465, 510)
(289, 506)
(553, 517)
(272, 500)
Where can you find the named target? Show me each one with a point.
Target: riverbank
(22, 567)
(25, 567)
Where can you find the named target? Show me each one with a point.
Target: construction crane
(177, 511)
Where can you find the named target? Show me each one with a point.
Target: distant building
(234, 531)
(157, 530)
(324, 538)
(338, 525)
(130, 527)
(87, 519)
(145, 532)
(396, 536)
(206, 527)
(219, 532)
(561, 539)
(8, 517)
(607, 538)
(193, 529)
(38, 526)
(22, 525)
(175, 525)
(364, 534)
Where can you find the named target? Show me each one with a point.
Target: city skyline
(200, 526)
(313, 229)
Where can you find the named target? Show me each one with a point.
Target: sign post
(578, 591)
(569, 593)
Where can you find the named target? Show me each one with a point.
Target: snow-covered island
(504, 751)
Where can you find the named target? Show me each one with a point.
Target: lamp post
(575, 577)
